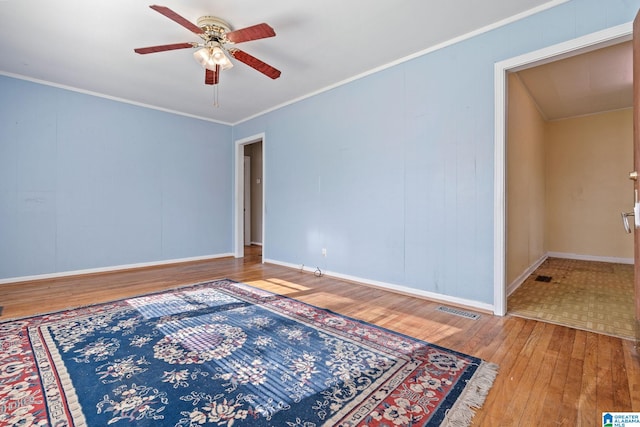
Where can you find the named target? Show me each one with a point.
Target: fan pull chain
(215, 96)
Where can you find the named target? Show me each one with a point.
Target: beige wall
(588, 160)
(567, 182)
(525, 181)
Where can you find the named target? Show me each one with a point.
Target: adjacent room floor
(587, 295)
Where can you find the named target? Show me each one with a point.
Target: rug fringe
(472, 397)
(66, 385)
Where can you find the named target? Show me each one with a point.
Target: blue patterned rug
(227, 354)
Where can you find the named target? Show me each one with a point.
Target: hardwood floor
(549, 375)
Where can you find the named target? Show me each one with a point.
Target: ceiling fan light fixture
(218, 57)
(209, 57)
(203, 57)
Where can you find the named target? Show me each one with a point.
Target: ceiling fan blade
(255, 63)
(255, 32)
(162, 48)
(212, 77)
(177, 18)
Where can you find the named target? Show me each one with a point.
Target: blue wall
(393, 173)
(87, 182)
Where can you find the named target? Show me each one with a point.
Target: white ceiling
(88, 45)
(592, 82)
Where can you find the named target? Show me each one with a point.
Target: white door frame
(610, 36)
(238, 232)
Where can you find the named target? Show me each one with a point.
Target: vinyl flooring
(588, 295)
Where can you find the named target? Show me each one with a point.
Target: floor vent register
(458, 312)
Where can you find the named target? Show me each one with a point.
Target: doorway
(248, 213)
(249, 194)
(571, 48)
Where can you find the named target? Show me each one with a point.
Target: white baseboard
(581, 257)
(392, 287)
(521, 278)
(111, 268)
(256, 243)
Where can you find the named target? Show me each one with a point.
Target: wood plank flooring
(549, 375)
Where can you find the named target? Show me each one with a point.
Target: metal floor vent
(545, 279)
(458, 312)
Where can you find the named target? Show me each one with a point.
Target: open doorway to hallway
(569, 148)
(250, 194)
(253, 194)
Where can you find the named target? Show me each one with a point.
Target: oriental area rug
(224, 353)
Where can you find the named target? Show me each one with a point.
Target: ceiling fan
(217, 39)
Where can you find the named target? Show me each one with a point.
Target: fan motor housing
(214, 27)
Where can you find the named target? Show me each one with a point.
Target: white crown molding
(109, 97)
(418, 54)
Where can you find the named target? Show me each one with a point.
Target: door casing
(600, 39)
(636, 164)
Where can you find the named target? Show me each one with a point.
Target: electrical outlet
(324, 251)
